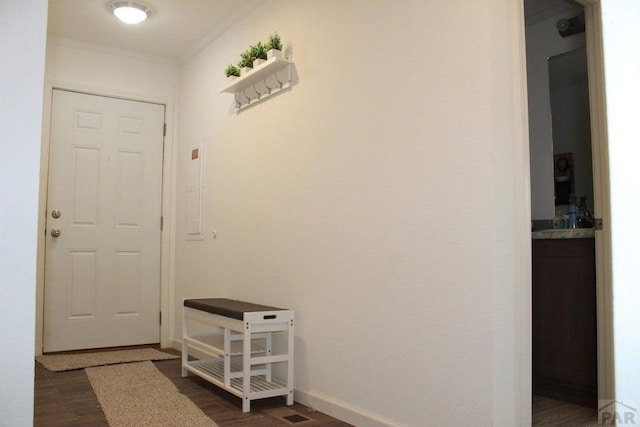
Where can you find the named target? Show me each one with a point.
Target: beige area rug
(137, 394)
(68, 362)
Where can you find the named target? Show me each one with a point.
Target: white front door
(102, 277)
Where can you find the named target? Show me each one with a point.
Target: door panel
(102, 277)
(86, 172)
(82, 284)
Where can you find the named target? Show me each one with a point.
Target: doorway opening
(571, 354)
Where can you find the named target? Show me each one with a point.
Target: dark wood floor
(67, 399)
(550, 412)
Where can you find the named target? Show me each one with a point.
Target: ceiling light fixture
(130, 12)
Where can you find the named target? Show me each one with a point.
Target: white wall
(22, 50)
(377, 199)
(112, 70)
(543, 41)
(104, 71)
(622, 67)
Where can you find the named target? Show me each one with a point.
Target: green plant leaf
(274, 42)
(232, 70)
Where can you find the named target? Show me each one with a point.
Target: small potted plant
(246, 62)
(258, 53)
(274, 46)
(232, 72)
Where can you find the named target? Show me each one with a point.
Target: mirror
(571, 127)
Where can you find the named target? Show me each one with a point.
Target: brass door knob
(55, 232)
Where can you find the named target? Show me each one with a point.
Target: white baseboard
(342, 410)
(326, 404)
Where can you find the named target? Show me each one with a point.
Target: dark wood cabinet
(564, 320)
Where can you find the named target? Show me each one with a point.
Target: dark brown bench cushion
(227, 307)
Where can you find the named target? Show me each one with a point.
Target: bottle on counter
(559, 222)
(572, 213)
(585, 217)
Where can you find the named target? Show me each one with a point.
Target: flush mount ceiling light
(130, 12)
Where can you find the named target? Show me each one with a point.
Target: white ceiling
(175, 30)
(179, 28)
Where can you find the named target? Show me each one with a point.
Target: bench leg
(185, 346)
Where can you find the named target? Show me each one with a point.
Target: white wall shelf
(261, 82)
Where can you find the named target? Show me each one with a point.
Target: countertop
(569, 233)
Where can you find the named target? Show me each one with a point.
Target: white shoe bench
(237, 339)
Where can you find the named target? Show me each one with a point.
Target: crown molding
(105, 50)
(219, 31)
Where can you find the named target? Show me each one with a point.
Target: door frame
(602, 199)
(167, 241)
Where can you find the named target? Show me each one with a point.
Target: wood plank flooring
(67, 399)
(548, 412)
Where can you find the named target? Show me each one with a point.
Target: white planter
(231, 78)
(245, 70)
(257, 62)
(274, 53)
